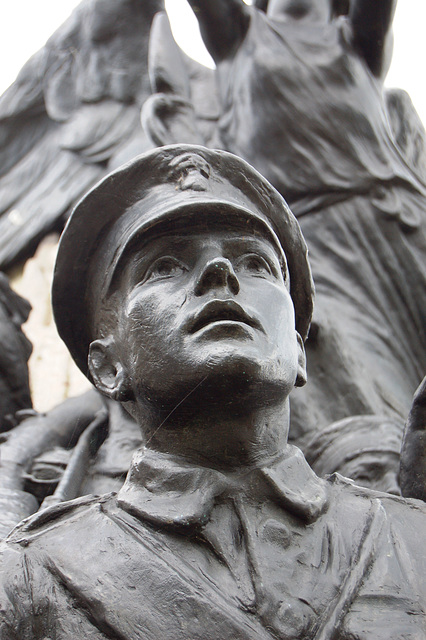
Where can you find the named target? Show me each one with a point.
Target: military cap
(166, 183)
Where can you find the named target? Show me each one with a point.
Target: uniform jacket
(191, 553)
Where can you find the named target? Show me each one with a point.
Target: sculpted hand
(168, 116)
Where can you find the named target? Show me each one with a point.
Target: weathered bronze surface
(189, 295)
(183, 292)
(70, 117)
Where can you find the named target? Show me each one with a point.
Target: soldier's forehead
(192, 235)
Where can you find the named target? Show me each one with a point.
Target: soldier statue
(183, 291)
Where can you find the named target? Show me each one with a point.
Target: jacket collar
(172, 493)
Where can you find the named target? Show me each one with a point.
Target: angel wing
(70, 117)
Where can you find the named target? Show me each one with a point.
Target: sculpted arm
(61, 426)
(223, 25)
(372, 28)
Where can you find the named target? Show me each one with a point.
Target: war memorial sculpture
(183, 290)
(221, 528)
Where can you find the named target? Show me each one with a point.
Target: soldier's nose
(216, 274)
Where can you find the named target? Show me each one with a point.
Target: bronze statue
(302, 99)
(373, 300)
(183, 290)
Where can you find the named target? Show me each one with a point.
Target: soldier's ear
(108, 374)
(301, 362)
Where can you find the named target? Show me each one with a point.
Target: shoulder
(27, 553)
(383, 527)
(54, 541)
(346, 489)
(37, 559)
(404, 517)
(43, 523)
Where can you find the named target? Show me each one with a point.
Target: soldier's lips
(220, 311)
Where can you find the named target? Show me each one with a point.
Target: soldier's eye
(164, 267)
(254, 264)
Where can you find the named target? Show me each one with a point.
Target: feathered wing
(70, 117)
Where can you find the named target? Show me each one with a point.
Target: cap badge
(190, 171)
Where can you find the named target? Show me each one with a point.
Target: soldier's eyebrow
(262, 245)
(154, 248)
(252, 241)
(159, 244)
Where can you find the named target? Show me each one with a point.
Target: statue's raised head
(180, 238)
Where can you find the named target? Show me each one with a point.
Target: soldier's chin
(218, 374)
(237, 378)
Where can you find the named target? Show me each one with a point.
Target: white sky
(27, 24)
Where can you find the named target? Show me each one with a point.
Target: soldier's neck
(225, 438)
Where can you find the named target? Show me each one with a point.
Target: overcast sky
(26, 25)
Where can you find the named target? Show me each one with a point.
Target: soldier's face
(378, 470)
(206, 306)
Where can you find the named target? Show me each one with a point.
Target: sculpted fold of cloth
(183, 291)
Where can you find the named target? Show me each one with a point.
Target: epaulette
(51, 515)
(364, 492)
